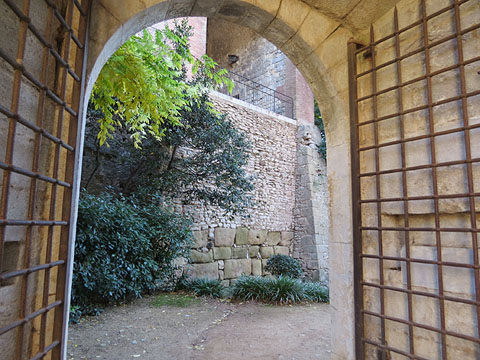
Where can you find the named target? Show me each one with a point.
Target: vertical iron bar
(72, 175)
(468, 158)
(378, 191)
(9, 160)
(356, 210)
(434, 177)
(46, 280)
(404, 181)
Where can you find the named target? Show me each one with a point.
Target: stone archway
(294, 28)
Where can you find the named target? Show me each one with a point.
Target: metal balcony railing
(259, 95)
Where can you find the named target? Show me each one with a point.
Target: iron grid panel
(39, 120)
(394, 263)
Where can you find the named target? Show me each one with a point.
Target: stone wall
(227, 248)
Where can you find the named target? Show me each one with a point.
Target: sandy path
(208, 330)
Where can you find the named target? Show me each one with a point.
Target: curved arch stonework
(317, 44)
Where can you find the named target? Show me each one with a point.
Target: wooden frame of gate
(380, 332)
(36, 253)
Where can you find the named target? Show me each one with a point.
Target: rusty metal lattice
(40, 105)
(415, 119)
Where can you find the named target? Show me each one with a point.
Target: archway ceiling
(354, 14)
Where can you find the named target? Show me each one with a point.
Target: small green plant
(204, 287)
(284, 265)
(281, 290)
(175, 300)
(251, 288)
(316, 292)
(286, 290)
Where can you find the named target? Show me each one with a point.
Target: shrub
(204, 287)
(316, 292)
(284, 265)
(124, 249)
(283, 290)
(251, 288)
(286, 290)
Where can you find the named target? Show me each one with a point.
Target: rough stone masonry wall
(227, 248)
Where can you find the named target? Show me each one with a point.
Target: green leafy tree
(322, 147)
(142, 86)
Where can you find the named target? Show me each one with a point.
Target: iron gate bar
(404, 182)
(378, 192)
(468, 156)
(439, 265)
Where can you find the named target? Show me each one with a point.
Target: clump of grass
(316, 292)
(279, 290)
(251, 288)
(175, 300)
(204, 287)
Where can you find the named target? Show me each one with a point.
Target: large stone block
(238, 267)
(253, 251)
(256, 267)
(273, 238)
(201, 257)
(286, 238)
(257, 237)
(281, 250)
(241, 236)
(239, 253)
(222, 253)
(224, 236)
(266, 251)
(201, 238)
(209, 271)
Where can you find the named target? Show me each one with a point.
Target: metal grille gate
(415, 119)
(42, 53)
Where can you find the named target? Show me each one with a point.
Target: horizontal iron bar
(49, 348)
(33, 269)
(421, 261)
(422, 107)
(421, 293)
(36, 82)
(32, 174)
(389, 228)
(421, 137)
(421, 167)
(415, 198)
(34, 127)
(30, 317)
(14, 222)
(423, 326)
(398, 351)
(420, 78)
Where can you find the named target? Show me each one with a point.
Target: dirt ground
(207, 329)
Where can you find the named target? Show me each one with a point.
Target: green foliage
(322, 147)
(202, 160)
(316, 292)
(123, 249)
(175, 300)
(204, 287)
(281, 290)
(142, 86)
(284, 265)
